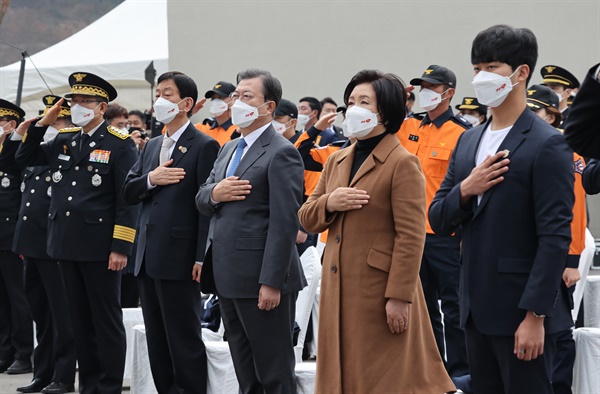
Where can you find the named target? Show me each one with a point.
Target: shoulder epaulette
(117, 132)
(70, 130)
(458, 119)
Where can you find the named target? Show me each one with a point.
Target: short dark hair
(328, 100)
(271, 87)
(506, 44)
(139, 114)
(313, 103)
(114, 111)
(186, 86)
(390, 94)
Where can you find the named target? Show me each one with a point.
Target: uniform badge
(96, 180)
(49, 192)
(5, 182)
(578, 166)
(99, 156)
(22, 187)
(413, 137)
(74, 143)
(92, 144)
(57, 176)
(48, 178)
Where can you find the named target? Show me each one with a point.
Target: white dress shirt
(175, 138)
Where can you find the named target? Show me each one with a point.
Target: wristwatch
(538, 316)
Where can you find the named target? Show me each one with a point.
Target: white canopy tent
(117, 47)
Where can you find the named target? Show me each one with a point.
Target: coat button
(74, 183)
(337, 239)
(100, 220)
(69, 198)
(76, 168)
(32, 191)
(334, 269)
(24, 217)
(68, 213)
(27, 204)
(37, 178)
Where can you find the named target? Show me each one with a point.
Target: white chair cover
(131, 317)
(585, 262)
(586, 372)
(311, 264)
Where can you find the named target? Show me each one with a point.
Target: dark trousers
(564, 358)
(261, 344)
(54, 356)
(16, 325)
(130, 296)
(177, 354)
(495, 369)
(93, 294)
(440, 277)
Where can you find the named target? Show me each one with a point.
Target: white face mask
(218, 107)
(560, 97)
(280, 128)
(51, 132)
(242, 114)
(81, 116)
(429, 100)
(1, 130)
(492, 89)
(472, 119)
(303, 119)
(359, 122)
(165, 111)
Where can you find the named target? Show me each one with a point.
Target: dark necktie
(237, 156)
(84, 139)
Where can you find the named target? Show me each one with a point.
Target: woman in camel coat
(374, 330)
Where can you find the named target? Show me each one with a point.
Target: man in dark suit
(509, 190)
(253, 195)
(90, 229)
(581, 129)
(172, 239)
(54, 355)
(16, 331)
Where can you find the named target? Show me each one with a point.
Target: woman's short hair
(390, 94)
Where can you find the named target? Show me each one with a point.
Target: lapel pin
(73, 143)
(92, 144)
(183, 149)
(506, 153)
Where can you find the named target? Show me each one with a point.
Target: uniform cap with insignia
(221, 88)
(436, 75)
(9, 109)
(540, 96)
(50, 99)
(89, 84)
(472, 103)
(287, 108)
(555, 75)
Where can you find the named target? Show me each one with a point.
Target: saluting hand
(325, 121)
(346, 198)
(198, 106)
(22, 129)
(483, 177)
(231, 189)
(52, 114)
(117, 261)
(164, 175)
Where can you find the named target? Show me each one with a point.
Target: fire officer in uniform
(219, 126)
(90, 230)
(432, 138)
(563, 83)
(54, 356)
(16, 329)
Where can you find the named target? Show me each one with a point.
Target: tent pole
(21, 77)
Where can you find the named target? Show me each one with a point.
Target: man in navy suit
(172, 237)
(253, 195)
(509, 190)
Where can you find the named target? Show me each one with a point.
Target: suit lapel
(344, 165)
(255, 151)
(381, 152)
(513, 140)
(184, 144)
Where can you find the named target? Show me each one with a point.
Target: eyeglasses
(244, 97)
(72, 102)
